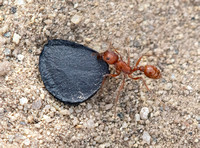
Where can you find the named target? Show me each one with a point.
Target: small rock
(196, 140)
(19, 2)
(13, 10)
(7, 52)
(198, 51)
(3, 29)
(88, 40)
(16, 38)
(64, 112)
(141, 8)
(23, 101)
(75, 5)
(7, 34)
(90, 123)
(146, 137)
(37, 104)
(137, 117)
(89, 106)
(2, 40)
(108, 106)
(144, 113)
(168, 86)
(4, 68)
(76, 19)
(189, 87)
(1, 110)
(47, 22)
(20, 57)
(124, 125)
(47, 118)
(27, 142)
(198, 118)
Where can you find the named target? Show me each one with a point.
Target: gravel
(165, 116)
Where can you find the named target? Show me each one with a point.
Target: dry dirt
(168, 116)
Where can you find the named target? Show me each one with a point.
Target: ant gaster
(114, 58)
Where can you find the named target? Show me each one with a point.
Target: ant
(114, 58)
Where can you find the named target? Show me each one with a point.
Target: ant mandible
(114, 58)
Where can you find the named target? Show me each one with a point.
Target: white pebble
(23, 100)
(137, 117)
(146, 137)
(168, 86)
(144, 113)
(47, 118)
(189, 87)
(4, 68)
(20, 57)
(90, 123)
(89, 106)
(27, 142)
(16, 38)
(64, 112)
(2, 40)
(76, 19)
(7, 51)
(20, 2)
(108, 106)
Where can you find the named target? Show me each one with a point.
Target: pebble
(1, 110)
(198, 51)
(90, 123)
(64, 112)
(7, 34)
(137, 117)
(146, 137)
(89, 106)
(47, 118)
(27, 142)
(19, 2)
(196, 140)
(20, 57)
(168, 86)
(37, 104)
(108, 106)
(76, 19)
(47, 22)
(3, 29)
(4, 68)
(144, 113)
(16, 38)
(198, 118)
(2, 40)
(7, 52)
(189, 87)
(23, 101)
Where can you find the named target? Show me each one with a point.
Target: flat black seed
(70, 71)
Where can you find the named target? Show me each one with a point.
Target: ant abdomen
(152, 72)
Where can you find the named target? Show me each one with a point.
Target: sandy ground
(169, 116)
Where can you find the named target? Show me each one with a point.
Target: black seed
(70, 71)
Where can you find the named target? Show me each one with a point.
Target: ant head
(110, 57)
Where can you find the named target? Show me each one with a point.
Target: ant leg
(130, 76)
(138, 61)
(118, 93)
(110, 75)
(128, 62)
(118, 53)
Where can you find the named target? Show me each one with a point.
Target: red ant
(114, 58)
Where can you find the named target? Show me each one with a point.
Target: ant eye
(107, 58)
